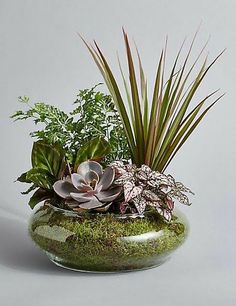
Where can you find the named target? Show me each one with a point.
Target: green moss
(104, 242)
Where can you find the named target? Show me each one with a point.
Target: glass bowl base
(60, 263)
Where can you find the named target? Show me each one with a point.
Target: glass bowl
(106, 242)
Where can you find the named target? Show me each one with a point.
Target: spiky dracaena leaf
(155, 137)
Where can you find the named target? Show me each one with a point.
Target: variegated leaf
(123, 179)
(131, 168)
(181, 187)
(117, 164)
(178, 195)
(157, 179)
(171, 180)
(131, 191)
(123, 207)
(169, 203)
(164, 213)
(150, 196)
(140, 204)
(119, 167)
(143, 173)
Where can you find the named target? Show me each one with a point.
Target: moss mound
(104, 242)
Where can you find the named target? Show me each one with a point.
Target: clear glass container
(106, 242)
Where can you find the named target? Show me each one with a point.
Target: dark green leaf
(48, 157)
(41, 178)
(23, 178)
(39, 196)
(29, 189)
(93, 149)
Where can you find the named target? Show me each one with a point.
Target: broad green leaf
(48, 157)
(31, 188)
(94, 149)
(41, 178)
(39, 196)
(22, 178)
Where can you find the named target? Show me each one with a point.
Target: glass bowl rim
(97, 214)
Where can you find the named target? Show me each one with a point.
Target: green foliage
(93, 149)
(94, 115)
(93, 130)
(23, 178)
(31, 188)
(48, 165)
(99, 117)
(39, 196)
(40, 178)
(155, 136)
(50, 158)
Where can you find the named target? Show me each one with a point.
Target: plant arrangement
(92, 131)
(104, 159)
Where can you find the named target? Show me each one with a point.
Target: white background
(41, 56)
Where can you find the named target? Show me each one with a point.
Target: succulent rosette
(144, 187)
(89, 188)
